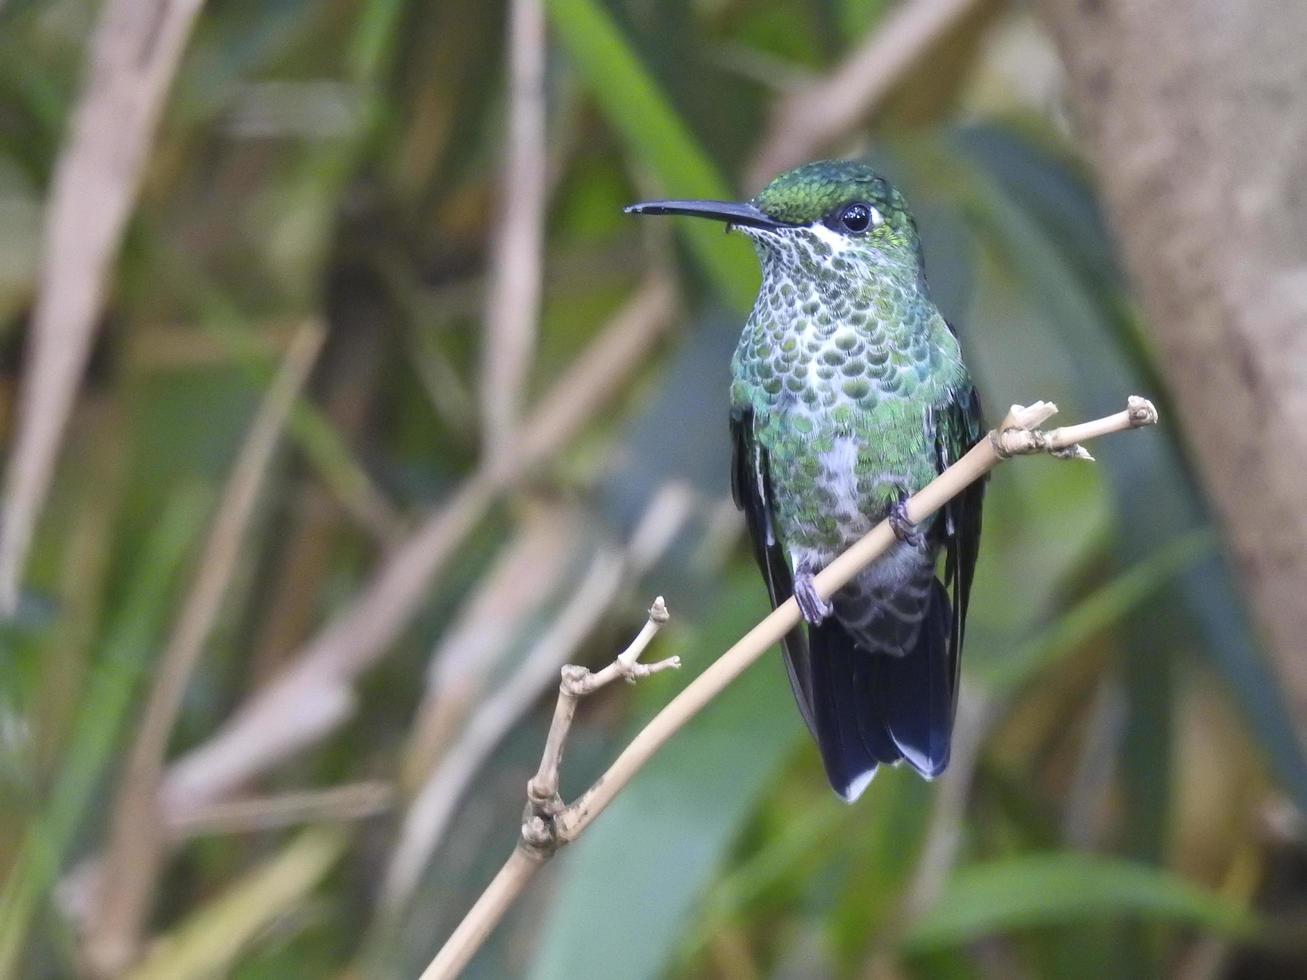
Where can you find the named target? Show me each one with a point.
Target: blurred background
(343, 405)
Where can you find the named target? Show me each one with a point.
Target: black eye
(856, 217)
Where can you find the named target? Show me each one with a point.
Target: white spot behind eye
(877, 219)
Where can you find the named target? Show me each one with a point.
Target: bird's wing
(957, 429)
(752, 489)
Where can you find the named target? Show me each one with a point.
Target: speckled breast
(842, 396)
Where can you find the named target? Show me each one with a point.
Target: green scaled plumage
(849, 393)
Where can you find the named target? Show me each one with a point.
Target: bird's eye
(858, 217)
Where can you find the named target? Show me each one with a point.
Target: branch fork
(542, 828)
(1019, 433)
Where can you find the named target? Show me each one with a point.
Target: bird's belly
(835, 485)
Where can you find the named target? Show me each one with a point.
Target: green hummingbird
(849, 394)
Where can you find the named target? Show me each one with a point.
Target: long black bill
(735, 214)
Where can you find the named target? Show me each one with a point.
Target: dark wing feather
(913, 697)
(848, 709)
(958, 428)
(751, 488)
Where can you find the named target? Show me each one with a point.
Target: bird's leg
(904, 529)
(814, 608)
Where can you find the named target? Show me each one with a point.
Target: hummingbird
(849, 394)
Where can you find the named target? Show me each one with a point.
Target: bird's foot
(814, 608)
(905, 529)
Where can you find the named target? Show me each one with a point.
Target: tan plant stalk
(517, 236)
(549, 824)
(335, 804)
(135, 50)
(813, 118)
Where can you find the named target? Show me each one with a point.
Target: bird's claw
(905, 529)
(813, 607)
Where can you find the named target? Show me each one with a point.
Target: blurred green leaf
(376, 33)
(808, 833)
(207, 943)
(872, 875)
(856, 16)
(1047, 889)
(657, 138)
(130, 642)
(1098, 611)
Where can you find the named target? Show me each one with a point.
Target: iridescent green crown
(809, 193)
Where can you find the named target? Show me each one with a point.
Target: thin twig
(481, 919)
(543, 805)
(549, 825)
(136, 848)
(816, 116)
(518, 236)
(134, 55)
(576, 683)
(434, 805)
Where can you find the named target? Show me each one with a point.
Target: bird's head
(832, 220)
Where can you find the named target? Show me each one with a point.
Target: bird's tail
(873, 708)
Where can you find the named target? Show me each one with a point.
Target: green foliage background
(339, 160)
